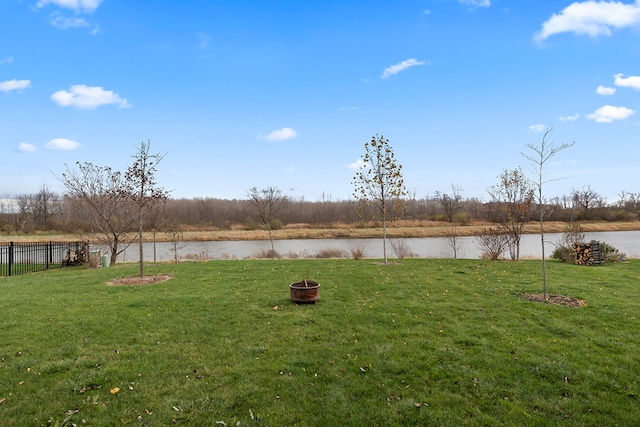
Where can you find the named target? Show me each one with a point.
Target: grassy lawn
(423, 342)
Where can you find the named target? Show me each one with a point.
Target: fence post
(10, 259)
(47, 255)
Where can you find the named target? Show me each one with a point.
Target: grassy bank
(398, 229)
(423, 342)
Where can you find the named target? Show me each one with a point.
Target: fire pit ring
(306, 291)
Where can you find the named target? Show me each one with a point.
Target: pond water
(627, 242)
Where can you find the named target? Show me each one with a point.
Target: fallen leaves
(555, 300)
(133, 281)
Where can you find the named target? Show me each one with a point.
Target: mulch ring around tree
(137, 280)
(554, 299)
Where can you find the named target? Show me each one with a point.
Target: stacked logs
(587, 253)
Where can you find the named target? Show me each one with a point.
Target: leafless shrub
(330, 253)
(267, 253)
(492, 242)
(356, 250)
(305, 254)
(401, 249)
(202, 256)
(611, 254)
(564, 247)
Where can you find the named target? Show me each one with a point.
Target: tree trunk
(544, 266)
(114, 253)
(273, 251)
(140, 224)
(384, 239)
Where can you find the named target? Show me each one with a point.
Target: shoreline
(299, 231)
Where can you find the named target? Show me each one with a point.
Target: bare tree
(512, 199)
(176, 237)
(93, 196)
(586, 199)
(379, 182)
(629, 201)
(45, 203)
(540, 154)
(143, 189)
(451, 204)
(454, 240)
(31, 212)
(267, 203)
(23, 202)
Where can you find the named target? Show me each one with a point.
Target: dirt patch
(555, 300)
(135, 281)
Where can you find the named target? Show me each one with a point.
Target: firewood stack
(587, 253)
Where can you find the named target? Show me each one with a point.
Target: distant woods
(46, 211)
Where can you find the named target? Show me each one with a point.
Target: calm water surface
(424, 247)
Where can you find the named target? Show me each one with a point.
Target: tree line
(47, 211)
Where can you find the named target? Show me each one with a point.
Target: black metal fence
(23, 257)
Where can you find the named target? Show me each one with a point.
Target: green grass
(424, 342)
(17, 269)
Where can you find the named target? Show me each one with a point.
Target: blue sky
(286, 93)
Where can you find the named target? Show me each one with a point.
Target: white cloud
(603, 90)
(27, 148)
(77, 5)
(631, 81)
(62, 144)
(609, 113)
(280, 134)
(476, 3)
(88, 97)
(347, 108)
(592, 18)
(537, 128)
(395, 69)
(9, 60)
(358, 164)
(9, 85)
(571, 118)
(63, 23)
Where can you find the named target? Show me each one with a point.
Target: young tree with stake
(539, 155)
(379, 182)
(267, 203)
(142, 188)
